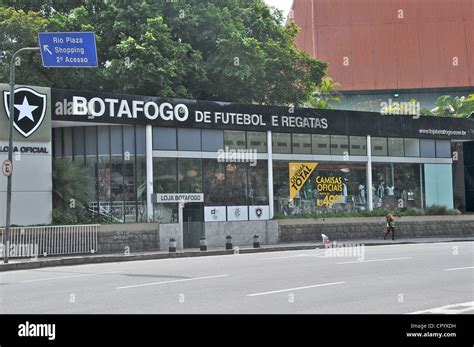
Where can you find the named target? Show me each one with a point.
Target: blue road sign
(68, 49)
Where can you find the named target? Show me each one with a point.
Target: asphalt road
(415, 278)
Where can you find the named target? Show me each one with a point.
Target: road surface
(413, 278)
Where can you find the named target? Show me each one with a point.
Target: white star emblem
(25, 110)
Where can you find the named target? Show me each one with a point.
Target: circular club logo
(29, 109)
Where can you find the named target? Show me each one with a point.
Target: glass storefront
(115, 157)
(339, 186)
(223, 184)
(396, 185)
(332, 186)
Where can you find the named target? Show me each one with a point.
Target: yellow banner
(299, 174)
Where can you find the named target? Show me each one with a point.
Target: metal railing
(118, 210)
(50, 240)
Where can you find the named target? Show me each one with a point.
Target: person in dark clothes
(390, 219)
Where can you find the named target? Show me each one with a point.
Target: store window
(78, 145)
(91, 141)
(412, 147)
(395, 147)
(258, 183)
(165, 175)
(129, 173)
(58, 146)
(236, 184)
(189, 139)
(339, 145)
(427, 148)
(140, 138)
(396, 185)
(301, 143)
(189, 176)
(321, 144)
(117, 171)
(257, 140)
(331, 187)
(379, 146)
(212, 140)
(67, 139)
(104, 169)
(235, 139)
(443, 148)
(358, 145)
(281, 143)
(91, 160)
(164, 139)
(213, 180)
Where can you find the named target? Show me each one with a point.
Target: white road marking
(460, 268)
(448, 309)
(290, 256)
(173, 281)
(374, 260)
(72, 276)
(298, 288)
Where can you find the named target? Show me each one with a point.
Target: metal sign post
(180, 219)
(76, 49)
(10, 148)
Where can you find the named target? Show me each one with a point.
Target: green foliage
(228, 50)
(447, 105)
(434, 210)
(73, 189)
(325, 94)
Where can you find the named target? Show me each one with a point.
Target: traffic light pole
(10, 149)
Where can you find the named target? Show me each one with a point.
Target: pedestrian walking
(390, 227)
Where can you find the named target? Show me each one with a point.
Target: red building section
(390, 44)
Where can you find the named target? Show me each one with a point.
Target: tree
(325, 94)
(73, 190)
(228, 50)
(447, 105)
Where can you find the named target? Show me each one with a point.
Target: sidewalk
(31, 263)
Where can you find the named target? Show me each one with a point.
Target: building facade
(249, 162)
(390, 49)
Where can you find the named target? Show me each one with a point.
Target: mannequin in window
(381, 190)
(362, 194)
(390, 190)
(344, 192)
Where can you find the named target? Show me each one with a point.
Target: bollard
(256, 241)
(228, 242)
(325, 241)
(172, 247)
(203, 244)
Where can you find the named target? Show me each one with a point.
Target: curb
(69, 261)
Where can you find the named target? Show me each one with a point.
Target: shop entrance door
(193, 224)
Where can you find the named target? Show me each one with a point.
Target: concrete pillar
(149, 171)
(370, 204)
(270, 172)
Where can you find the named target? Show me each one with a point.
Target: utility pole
(10, 148)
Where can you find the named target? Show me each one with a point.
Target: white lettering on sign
(174, 198)
(98, 107)
(158, 109)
